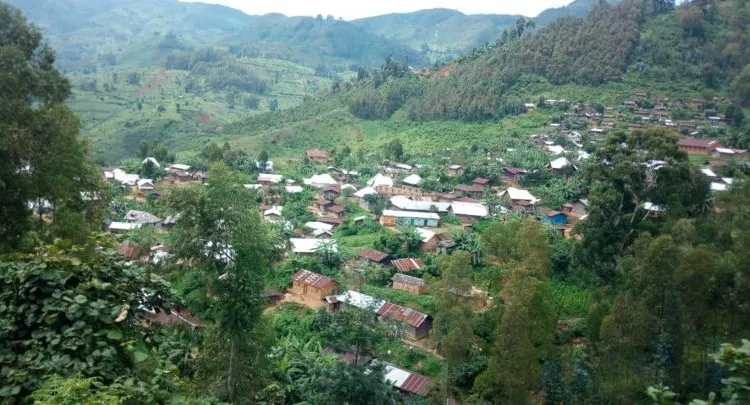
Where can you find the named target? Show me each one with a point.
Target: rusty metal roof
(474, 188)
(402, 314)
(372, 255)
(481, 180)
(313, 279)
(408, 264)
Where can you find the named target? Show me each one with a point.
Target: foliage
(71, 310)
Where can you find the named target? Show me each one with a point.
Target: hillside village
(387, 223)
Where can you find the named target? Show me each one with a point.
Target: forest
(639, 307)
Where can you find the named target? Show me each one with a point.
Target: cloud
(349, 10)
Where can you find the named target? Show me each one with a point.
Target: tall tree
(42, 159)
(220, 232)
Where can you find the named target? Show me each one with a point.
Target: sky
(352, 9)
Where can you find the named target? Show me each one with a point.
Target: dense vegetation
(638, 308)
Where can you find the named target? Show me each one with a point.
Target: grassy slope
(113, 122)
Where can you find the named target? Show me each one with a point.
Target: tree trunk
(231, 375)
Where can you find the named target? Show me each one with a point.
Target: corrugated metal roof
(372, 255)
(408, 264)
(314, 279)
(404, 279)
(399, 313)
(407, 381)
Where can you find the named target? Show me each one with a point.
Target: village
(383, 220)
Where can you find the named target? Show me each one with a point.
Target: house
(413, 285)
(374, 256)
(362, 194)
(429, 242)
(726, 153)
(145, 184)
(317, 155)
(360, 220)
(200, 176)
(273, 214)
(708, 173)
(320, 181)
(699, 146)
(468, 212)
(380, 180)
(716, 186)
(412, 180)
(474, 190)
(552, 217)
(129, 250)
(179, 176)
(555, 149)
(407, 381)
(321, 205)
(417, 324)
(141, 217)
(358, 300)
(312, 288)
(394, 218)
(273, 297)
(264, 168)
(330, 220)
(561, 166)
(307, 246)
(337, 210)
(407, 265)
(152, 161)
(331, 193)
(122, 227)
(269, 179)
(178, 167)
(514, 173)
(517, 195)
(481, 181)
(455, 170)
(319, 230)
(293, 189)
(342, 174)
(654, 210)
(407, 204)
(576, 207)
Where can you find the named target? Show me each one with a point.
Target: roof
(407, 381)
(411, 214)
(330, 220)
(141, 217)
(316, 280)
(320, 180)
(648, 206)
(519, 194)
(402, 314)
(293, 189)
(708, 172)
(474, 188)
(179, 166)
(365, 191)
(425, 234)
(412, 180)
(304, 245)
(372, 255)
(145, 182)
(408, 264)
(719, 186)
(152, 160)
(361, 301)
(555, 149)
(380, 180)
(699, 143)
(318, 225)
(407, 204)
(410, 280)
(123, 226)
(559, 163)
(725, 151)
(481, 180)
(270, 178)
(275, 210)
(514, 170)
(336, 209)
(455, 167)
(317, 154)
(469, 209)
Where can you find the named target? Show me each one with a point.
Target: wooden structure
(312, 288)
(410, 284)
(417, 324)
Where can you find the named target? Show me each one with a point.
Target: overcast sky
(351, 9)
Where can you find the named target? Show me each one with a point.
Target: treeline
(220, 70)
(701, 41)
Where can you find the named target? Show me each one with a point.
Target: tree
(394, 150)
(273, 104)
(42, 157)
(263, 160)
(330, 254)
(221, 233)
(72, 310)
(470, 243)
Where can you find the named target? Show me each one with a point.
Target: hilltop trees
(42, 159)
